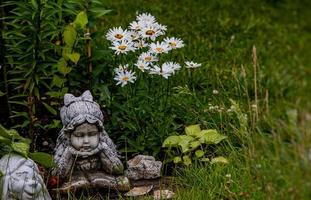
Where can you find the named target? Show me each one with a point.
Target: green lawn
(269, 160)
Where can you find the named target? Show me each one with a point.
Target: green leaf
(210, 136)
(43, 159)
(50, 108)
(194, 144)
(219, 159)
(99, 12)
(204, 159)
(74, 57)
(184, 142)
(171, 141)
(9, 134)
(193, 130)
(81, 20)
(70, 35)
(4, 133)
(177, 159)
(199, 153)
(58, 81)
(62, 67)
(187, 160)
(21, 148)
(2, 93)
(4, 140)
(34, 4)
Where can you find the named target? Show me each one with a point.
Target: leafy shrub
(193, 145)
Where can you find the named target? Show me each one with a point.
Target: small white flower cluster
(220, 109)
(142, 34)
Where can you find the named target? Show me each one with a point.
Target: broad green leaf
(193, 130)
(171, 141)
(194, 144)
(219, 159)
(58, 81)
(62, 66)
(21, 148)
(204, 159)
(81, 20)
(3, 132)
(177, 159)
(74, 57)
(43, 159)
(70, 35)
(4, 140)
(50, 108)
(184, 142)
(187, 160)
(199, 153)
(210, 136)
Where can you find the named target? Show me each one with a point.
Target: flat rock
(139, 191)
(143, 167)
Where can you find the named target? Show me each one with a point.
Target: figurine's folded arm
(64, 163)
(110, 160)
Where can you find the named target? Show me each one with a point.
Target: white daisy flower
(123, 47)
(148, 57)
(172, 65)
(165, 70)
(151, 31)
(161, 27)
(139, 44)
(117, 34)
(134, 35)
(191, 64)
(136, 25)
(142, 65)
(121, 68)
(146, 18)
(174, 43)
(159, 48)
(125, 76)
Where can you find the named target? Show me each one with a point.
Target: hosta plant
(193, 145)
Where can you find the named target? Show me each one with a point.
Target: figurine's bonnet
(77, 110)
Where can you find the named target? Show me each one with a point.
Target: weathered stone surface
(143, 167)
(139, 191)
(84, 153)
(21, 179)
(163, 194)
(95, 180)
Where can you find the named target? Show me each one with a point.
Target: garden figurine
(84, 153)
(20, 179)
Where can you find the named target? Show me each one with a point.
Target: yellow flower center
(150, 32)
(173, 44)
(125, 78)
(159, 49)
(122, 47)
(148, 58)
(118, 36)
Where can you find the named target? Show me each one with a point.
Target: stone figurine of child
(83, 146)
(21, 179)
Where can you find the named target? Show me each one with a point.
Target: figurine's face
(85, 137)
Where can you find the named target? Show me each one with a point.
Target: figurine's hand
(76, 153)
(110, 160)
